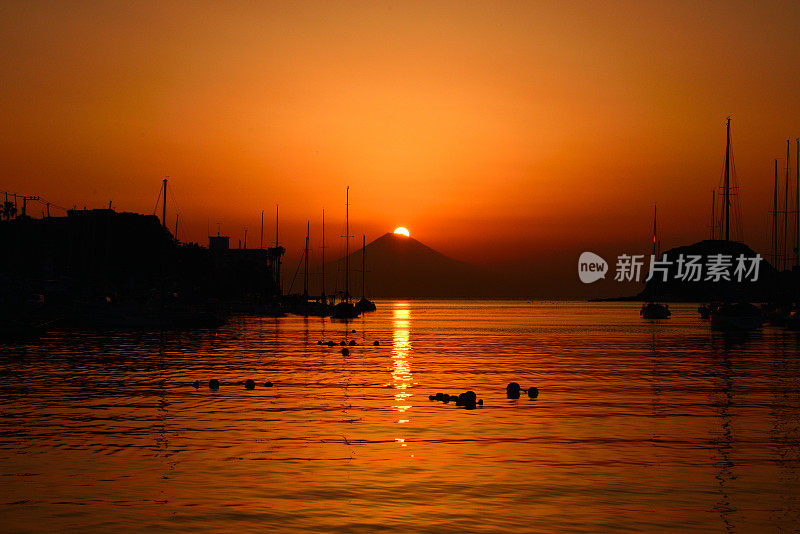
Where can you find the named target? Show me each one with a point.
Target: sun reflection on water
(401, 346)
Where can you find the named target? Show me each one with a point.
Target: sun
(402, 231)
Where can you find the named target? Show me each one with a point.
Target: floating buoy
(375, 343)
(512, 390)
(213, 383)
(352, 343)
(533, 392)
(267, 384)
(345, 352)
(249, 384)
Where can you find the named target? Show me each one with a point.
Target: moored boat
(738, 316)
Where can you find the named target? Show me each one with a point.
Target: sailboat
(364, 305)
(653, 309)
(733, 315)
(345, 309)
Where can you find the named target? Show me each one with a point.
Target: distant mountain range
(400, 266)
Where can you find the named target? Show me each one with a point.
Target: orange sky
(496, 132)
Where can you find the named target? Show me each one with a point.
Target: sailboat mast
(728, 181)
(277, 255)
(655, 229)
(305, 274)
(164, 206)
(786, 207)
(363, 266)
(323, 256)
(775, 217)
(261, 235)
(713, 208)
(347, 246)
(797, 205)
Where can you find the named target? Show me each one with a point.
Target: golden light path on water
(401, 373)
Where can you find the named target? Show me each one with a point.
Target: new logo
(591, 267)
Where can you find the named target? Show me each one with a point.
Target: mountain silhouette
(400, 266)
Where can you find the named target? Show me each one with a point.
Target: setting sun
(402, 231)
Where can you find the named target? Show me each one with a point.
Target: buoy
(467, 399)
(249, 384)
(196, 384)
(352, 343)
(512, 390)
(267, 384)
(345, 351)
(213, 383)
(375, 343)
(533, 392)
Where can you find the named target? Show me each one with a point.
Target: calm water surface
(639, 426)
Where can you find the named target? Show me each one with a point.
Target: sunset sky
(502, 133)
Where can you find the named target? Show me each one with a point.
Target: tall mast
(797, 205)
(277, 255)
(305, 275)
(655, 230)
(261, 235)
(363, 265)
(164, 206)
(727, 181)
(786, 207)
(713, 217)
(347, 246)
(323, 256)
(775, 217)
